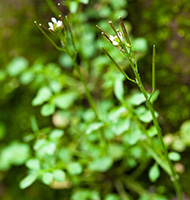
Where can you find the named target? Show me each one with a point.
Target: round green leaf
(140, 44)
(101, 164)
(26, 77)
(137, 99)
(119, 89)
(33, 164)
(42, 96)
(112, 197)
(17, 66)
(47, 109)
(174, 156)
(47, 178)
(154, 173)
(59, 175)
(74, 168)
(94, 126)
(28, 180)
(2, 130)
(73, 6)
(56, 134)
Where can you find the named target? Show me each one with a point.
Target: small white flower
(115, 40)
(56, 24)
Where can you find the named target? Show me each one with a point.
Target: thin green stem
(133, 185)
(124, 30)
(174, 177)
(88, 94)
(122, 193)
(71, 33)
(157, 158)
(58, 48)
(52, 6)
(118, 67)
(153, 71)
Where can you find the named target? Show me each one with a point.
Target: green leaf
(66, 61)
(74, 168)
(119, 89)
(28, 180)
(26, 77)
(121, 126)
(147, 117)
(140, 44)
(80, 194)
(15, 153)
(65, 101)
(59, 175)
(65, 155)
(133, 136)
(137, 99)
(34, 124)
(56, 134)
(42, 96)
(174, 156)
(47, 109)
(17, 66)
(44, 147)
(47, 178)
(101, 164)
(94, 127)
(112, 197)
(2, 130)
(116, 151)
(33, 164)
(154, 173)
(3, 75)
(185, 132)
(116, 113)
(154, 96)
(55, 86)
(73, 6)
(152, 131)
(84, 1)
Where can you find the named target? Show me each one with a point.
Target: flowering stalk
(126, 49)
(59, 29)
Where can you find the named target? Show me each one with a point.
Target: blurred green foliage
(46, 123)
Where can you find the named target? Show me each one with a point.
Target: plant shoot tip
(40, 24)
(119, 17)
(35, 22)
(58, 4)
(110, 22)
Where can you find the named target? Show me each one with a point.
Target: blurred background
(164, 23)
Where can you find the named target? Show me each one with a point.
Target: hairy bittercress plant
(127, 51)
(98, 138)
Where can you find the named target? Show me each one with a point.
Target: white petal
(59, 23)
(115, 43)
(120, 36)
(50, 26)
(111, 38)
(54, 20)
